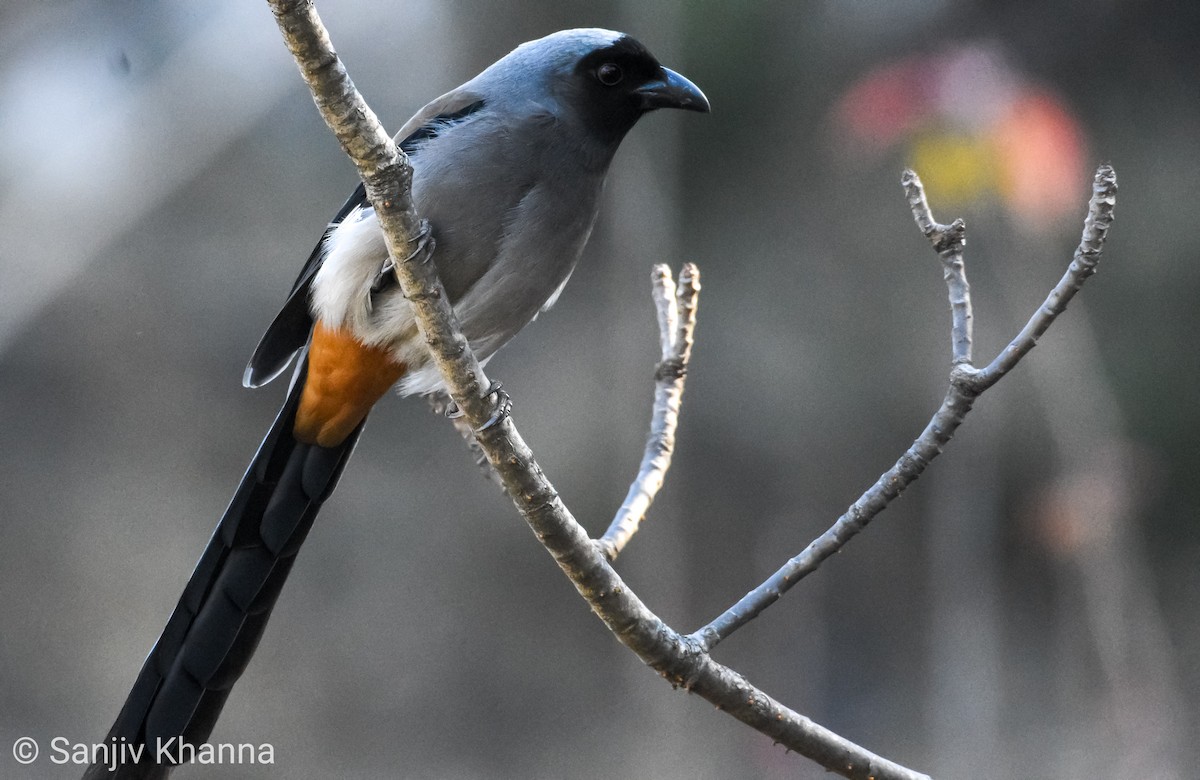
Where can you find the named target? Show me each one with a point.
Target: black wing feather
(288, 332)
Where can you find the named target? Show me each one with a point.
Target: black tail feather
(220, 618)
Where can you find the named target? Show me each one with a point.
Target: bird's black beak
(672, 91)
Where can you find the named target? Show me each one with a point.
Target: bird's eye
(609, 74)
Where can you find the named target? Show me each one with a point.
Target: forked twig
(965, 385)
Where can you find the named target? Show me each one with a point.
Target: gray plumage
(508, 168)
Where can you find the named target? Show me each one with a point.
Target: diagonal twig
(1087, 256)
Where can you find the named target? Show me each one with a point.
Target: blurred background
(1027, 609)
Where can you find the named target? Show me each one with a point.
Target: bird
(508, 171)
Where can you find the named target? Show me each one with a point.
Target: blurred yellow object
(956, 169)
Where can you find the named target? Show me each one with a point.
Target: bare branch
(342, 107)
(677, 325)
(966, 384)
(948, 241)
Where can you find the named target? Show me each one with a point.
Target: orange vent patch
(345, 379)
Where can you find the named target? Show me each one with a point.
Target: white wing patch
(553, 299)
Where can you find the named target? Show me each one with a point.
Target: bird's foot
(502, 409)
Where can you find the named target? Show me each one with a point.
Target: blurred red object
(1040, 146)
(885, 105)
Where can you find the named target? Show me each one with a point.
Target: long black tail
(221, 615)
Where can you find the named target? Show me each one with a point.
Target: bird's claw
(425, 244)
(452, 411)
(502, 409)
(386, 278)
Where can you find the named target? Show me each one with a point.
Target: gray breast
(512, 203)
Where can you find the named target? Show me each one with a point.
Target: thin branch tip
(1104, 199)
(1104, 186)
